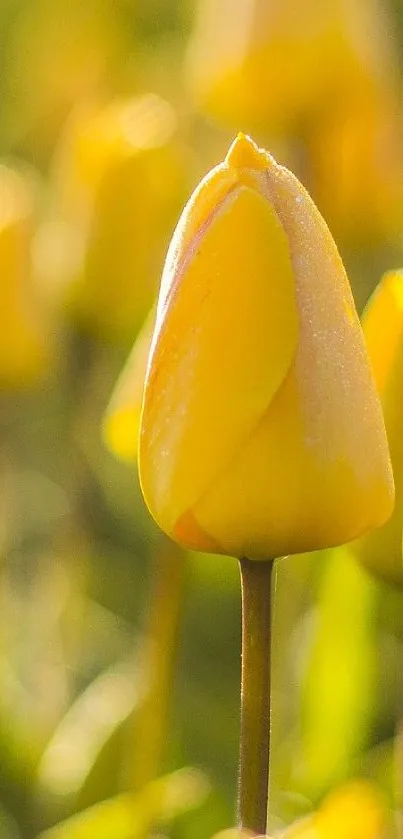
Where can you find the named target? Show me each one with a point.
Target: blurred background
(119, 656)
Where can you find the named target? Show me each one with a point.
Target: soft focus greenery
(119, 657)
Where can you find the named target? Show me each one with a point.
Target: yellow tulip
(60, 53)
(382, 321)
(122, 420)
(355, 811)
(357, 167)
(275, 65)
(120, 176)
(261, 430)
(22, 334)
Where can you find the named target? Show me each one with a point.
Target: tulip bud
(355, 811)
(119, 182)
(122, 420)
(382, 321)
(57, 55)
(256, 62)
(261, 430)
(22, 338)
(357, 166)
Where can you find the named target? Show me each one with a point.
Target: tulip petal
(197, 215)
(122, 420)
(222, 351)
(382, 322)
(381, 550)
(308, 476)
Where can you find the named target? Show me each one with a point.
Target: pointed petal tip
(244, 153)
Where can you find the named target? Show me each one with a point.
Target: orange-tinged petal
(221, 352)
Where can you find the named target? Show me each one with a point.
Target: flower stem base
(256, 579)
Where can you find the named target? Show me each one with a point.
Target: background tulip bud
(256, 62)
(382, 321)
(121, 174)
(22, 334)
(261, 430)
(122, 420)
(354, 811)
(357, 166)
(57, 55)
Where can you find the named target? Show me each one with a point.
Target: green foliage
(131, 816)
(96, 664)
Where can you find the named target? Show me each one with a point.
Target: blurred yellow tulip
(59, 53)
(382, 321)
(261, 430)
(122, 420)
(357, 166)
(276, 64)
(120, 177)
(22, 333)
(355, 811)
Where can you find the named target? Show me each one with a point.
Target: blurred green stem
(398, 777)
(165, 607)
(256, 580)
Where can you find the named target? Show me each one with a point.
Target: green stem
(160, 649)
(255, 695)
(398, 777)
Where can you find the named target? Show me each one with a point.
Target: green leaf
(338, 693)
(130, 816)
(82, 733)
